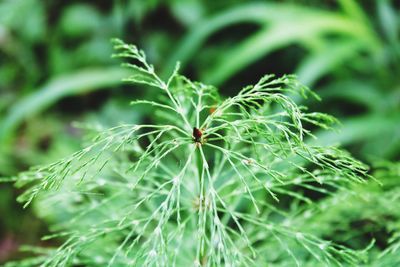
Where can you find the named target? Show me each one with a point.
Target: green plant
(347, 51)
(206, 181)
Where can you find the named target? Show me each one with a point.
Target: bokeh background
(56, 69)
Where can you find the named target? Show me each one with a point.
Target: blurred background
(56, 69)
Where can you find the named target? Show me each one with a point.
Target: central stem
(202, 206)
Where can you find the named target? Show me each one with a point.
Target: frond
(153, 193)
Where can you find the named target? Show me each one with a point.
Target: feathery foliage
(206, 181)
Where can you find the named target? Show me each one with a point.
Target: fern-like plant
(206, 182)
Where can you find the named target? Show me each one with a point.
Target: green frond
(159, 196)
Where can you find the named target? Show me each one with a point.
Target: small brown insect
(197, 135)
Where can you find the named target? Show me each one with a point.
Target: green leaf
(280, 26)
(360, 128)
(83, 81)
(320, 62)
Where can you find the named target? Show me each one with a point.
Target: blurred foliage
(55, 67)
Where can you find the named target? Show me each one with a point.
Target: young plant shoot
(206, 182)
